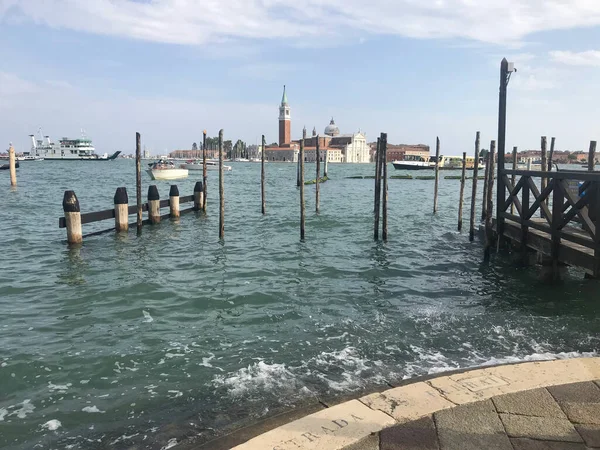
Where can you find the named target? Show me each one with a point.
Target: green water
(137, 341)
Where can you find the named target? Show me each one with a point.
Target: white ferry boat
(67, 149)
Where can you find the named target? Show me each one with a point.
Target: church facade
(333, 146)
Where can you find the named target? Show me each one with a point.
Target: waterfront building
(400, 152)
(333, 146)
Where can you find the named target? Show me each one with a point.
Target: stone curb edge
(347, 423)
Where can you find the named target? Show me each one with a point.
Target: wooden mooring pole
(138, 180)
(592, 155)
(474, 190)
(221, 189)
(153, 204)
(513, 177)
(262, 176)
(325, 169)
(302, 206)
(317, 184)
(72, 218)
(543, 167)
(121, 201)
(204, 174)
(174, 201)
(298, 171)
(490, 205)
(384, 231)
(377, 191)
(486, 180)
(551, 155)
(437, 175)
(12, 165)
(198, 195)
(462, 191)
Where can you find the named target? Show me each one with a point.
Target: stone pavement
(528, 406)
(562, 417)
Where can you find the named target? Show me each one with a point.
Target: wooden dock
(569, 213)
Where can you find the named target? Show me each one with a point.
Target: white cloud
(587, 58)
(201, 21)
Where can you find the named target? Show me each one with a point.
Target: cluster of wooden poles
(73, 219)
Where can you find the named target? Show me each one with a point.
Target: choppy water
(147, 340)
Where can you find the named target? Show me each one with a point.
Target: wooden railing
(568, 203)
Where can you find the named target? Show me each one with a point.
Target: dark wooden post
(525, 216)
(592, 155)
(552, 141)
(486, 180)
(72, 218)
(221, 189)
(204, 174)
(121, 201)
(262, 176)
(437, 174)
(474, 189)
(501, 190)
(198, 195)
(302, 209)
(462, 191)
(376, 177)
(317, 187)
(383, 140)
(513, 178)
(490, 206)
(153, 204)
(558, 197)
(174, 201)
(543, 166)
(298, 171)
(12, 165)
(138, 180)
(377, 190)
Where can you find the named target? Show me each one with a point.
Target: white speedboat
(166, 170)
(210, 165)
(25, 157)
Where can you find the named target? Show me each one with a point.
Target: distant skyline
(416, 70)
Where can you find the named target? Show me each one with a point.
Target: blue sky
(171, 68)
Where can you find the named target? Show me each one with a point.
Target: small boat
(29, 158)
(413, 162)
(166, 170)
(210, 165)
(7, 166)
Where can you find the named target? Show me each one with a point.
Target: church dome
(332, 129)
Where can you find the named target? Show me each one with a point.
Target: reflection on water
(174, 333)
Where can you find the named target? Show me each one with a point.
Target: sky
(415, 69)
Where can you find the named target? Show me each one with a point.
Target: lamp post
(506, 69)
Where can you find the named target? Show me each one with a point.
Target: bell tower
(285, 125)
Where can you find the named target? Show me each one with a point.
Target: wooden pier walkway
(567, 210)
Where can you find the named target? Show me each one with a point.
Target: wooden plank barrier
(73, 219)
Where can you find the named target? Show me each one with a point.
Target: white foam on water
(172, 443)
(176, 394)
(52, 425)
(26, 408)
(3, 413)
(547, 356)
(341, 336)
(257, 376)
(59, 388)
(147, 317)
(206, 360)
(84, 381)
(92, 409)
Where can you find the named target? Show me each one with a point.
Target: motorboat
(211, 164)
(414, 162)
(7, 166)
(166, 170)
(25, 157)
